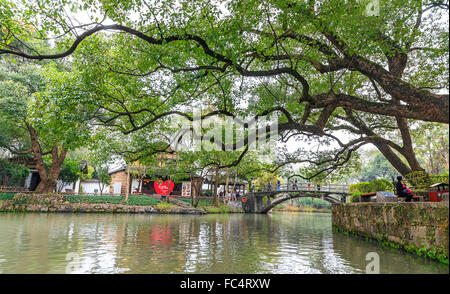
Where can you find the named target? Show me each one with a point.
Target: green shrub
(363, 187)
(419, 181)
(6, 196)
(369, 187)
(381, 185)
(355, 197)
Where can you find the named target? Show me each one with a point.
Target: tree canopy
(332, 72)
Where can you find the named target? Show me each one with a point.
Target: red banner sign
(164, 188)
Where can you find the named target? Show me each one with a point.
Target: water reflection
(107, 243)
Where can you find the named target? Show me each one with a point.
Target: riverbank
(420, 228)
(98, 204)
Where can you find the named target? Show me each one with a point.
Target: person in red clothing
(402, 190)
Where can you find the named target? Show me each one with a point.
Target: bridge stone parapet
(255, 201)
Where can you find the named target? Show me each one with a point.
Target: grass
(164, 206)
(201, 202)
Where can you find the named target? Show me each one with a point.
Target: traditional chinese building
(140, 179)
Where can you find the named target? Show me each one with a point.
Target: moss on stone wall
(421, 228)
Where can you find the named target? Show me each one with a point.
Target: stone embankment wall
(416, 227)
(56, 203)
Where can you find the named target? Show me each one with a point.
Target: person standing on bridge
(278, 185)
(295, 187)
(269, 186)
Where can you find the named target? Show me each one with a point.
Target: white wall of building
(87, 187)
(63, 188)
(28, 179)
(93, 187)
(135, 185)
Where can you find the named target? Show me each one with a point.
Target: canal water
(281, 242)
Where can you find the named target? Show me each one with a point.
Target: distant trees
(369, 187)
(12, 174)
(104, 179)
(70, 173)
(431, 142)
(377, 167)
(313, 202)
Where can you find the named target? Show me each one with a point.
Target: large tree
(321, 66)
(30, 126)
(309, 42)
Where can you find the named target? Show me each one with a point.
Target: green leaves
(12, 174)
(245, 57)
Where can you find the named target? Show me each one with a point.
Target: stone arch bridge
(263, 199)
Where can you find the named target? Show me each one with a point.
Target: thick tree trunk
(216, 185)
(192, 190)
(199, 190)
(408, 151)
(196, 189)
(233, 190)
(433, 107)
(48, 179)
(127, 190)
(227, 182)
(394, 159)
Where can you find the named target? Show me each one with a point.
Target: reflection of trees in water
(35, 243)
(305, 236)
(216, 244)
(248, 243)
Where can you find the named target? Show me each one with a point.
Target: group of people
(294, 186)
(232, 196)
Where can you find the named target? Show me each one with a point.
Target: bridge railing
(336, 188)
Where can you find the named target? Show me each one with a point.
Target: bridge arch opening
(256, 204)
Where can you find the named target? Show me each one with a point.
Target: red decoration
(244, 199)
(164, 188)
